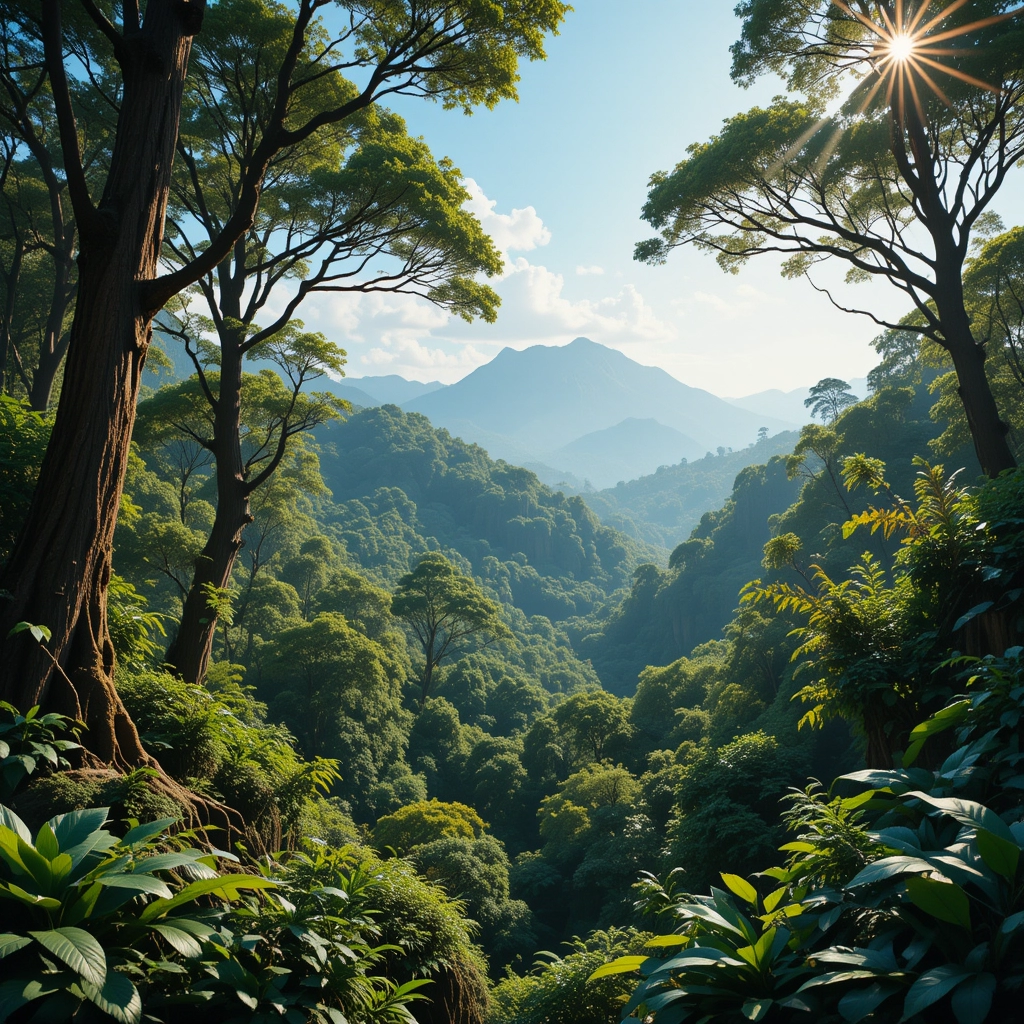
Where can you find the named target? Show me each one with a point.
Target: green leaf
(931, 986)
(118, 997)
(944, 900)
(78, 949)
(668, 940)
(179, 940)
(973, 999)
(75, 827)
(138, 883)
(939, 722)
(46, 843)
(889, 867)
(774, 898)
(10, 943)
(147, 830)
(621, 965)
(9, 820)
(1002, 857)
(856, 1005)
(31, 898)
(741, 887)
(967, 812)
(225, 886)
(18, 992)
(40, 633)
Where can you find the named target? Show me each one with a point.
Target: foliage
(444, 609)
(425, 822)
(92, 917)
(24, 435)
(29, 742)
(828, 398)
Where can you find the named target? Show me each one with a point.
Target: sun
(910, 46)
(901, 47)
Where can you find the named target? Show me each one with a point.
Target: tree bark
(59, 571)
(189, 652)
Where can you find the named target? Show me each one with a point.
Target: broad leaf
(621, 965)
(856, 1005)
(889, 867)
(118, 997)
(78, 949)
(1002, 857)
(10, 943)
(973, 999)
(77, 826)
(741, 887)
(931, 986)
(967, 812)
(944, 900)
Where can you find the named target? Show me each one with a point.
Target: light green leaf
(772, 900)
(31, 898)
(40, 633)
(889, 867)
(740, 887)
(78, 949)
(621, 965)
(668, 940)
(46, 843)
(147, 830)
(944, 900)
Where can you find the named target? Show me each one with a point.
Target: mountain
(392, 389)
(629, 449)
(789, 405)
(539, 400)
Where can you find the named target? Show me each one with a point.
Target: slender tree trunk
(54, 344)
(189, 652)
(60, 569)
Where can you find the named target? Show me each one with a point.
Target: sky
(558, 179)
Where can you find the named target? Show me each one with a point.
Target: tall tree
(445, 608)
(363, 208)
(460, 52)
(828, 398)
(890, 184)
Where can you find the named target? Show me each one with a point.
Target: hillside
(671, 611)
(662, 508)
(400, 487)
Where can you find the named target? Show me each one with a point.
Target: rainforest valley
(311, 710)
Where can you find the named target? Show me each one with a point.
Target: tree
(891, 184)
(828, 398)
(444, 608)
(360, 208)
(462, 53)
(425, 822)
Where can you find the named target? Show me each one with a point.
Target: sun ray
(915, 20)
(974, 26)
(934, 86)
(943, 15)
(963, 76)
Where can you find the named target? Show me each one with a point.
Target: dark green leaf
(78, 949)
(931, 986)
(944, 900)
(973, 999)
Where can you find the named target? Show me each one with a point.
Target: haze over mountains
(540, 406)
(578, 414)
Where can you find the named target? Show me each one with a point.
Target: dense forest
(322, 714)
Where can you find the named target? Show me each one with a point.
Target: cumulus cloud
(390, 333)
(520, 230)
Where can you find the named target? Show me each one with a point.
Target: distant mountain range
(588, 410)
(581, 416)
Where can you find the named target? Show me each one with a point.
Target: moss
(127, 796)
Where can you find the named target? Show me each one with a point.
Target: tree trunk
(189, 652)
(60, 569)
(54, 343)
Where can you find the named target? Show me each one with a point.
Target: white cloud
(520, 230)
(584, 271)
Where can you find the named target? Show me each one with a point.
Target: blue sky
(559, 179)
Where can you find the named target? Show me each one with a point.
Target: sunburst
(908, 50)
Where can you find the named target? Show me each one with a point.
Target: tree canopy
(880, 163)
